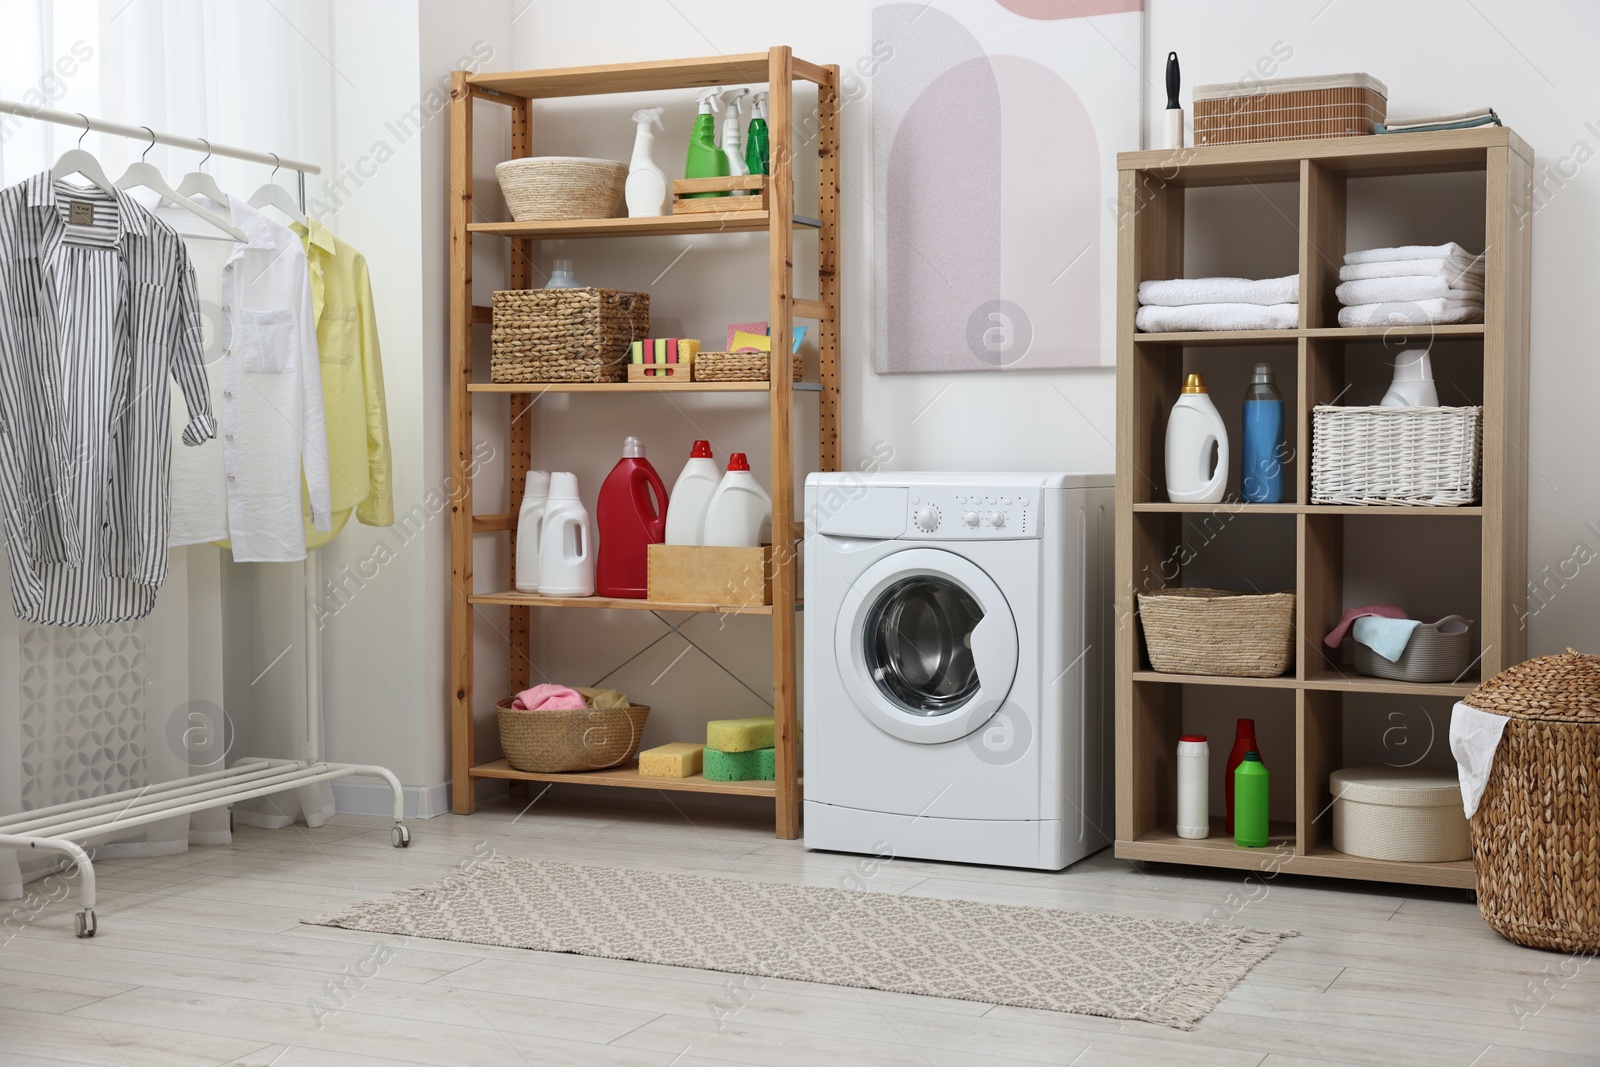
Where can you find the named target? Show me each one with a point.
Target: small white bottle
(1412, 386)
(1193, 430)
(646, 188)
(561, 276)
(530, 524)
(1194, 787)
(732, 138)
(566, 543)
(691, 497)
(739, 508)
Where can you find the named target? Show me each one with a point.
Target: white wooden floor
(201, 960)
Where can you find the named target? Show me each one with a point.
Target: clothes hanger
(274, 195)
(78, 161)
(198, 183)
(145, 175)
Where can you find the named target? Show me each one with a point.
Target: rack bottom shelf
(627, 777)
(1163, 845)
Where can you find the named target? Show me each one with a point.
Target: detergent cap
(709, 100)
(632, 448)
(646, 115)
(1262, 376)
(701, 450)
(738, 462)
(1194, 383)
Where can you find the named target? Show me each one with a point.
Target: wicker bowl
(547, 188)
(1536, 833)
(582, 739)
(1213, 631)
(738, 366)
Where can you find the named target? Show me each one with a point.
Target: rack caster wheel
(400, 836)
(86, 924)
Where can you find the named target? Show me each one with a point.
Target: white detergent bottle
(732, 139)
(739, 509)
(1413, 382)
(1193, 430)
(566, 543)
(691, 497)
(646, 190)
(530, 524)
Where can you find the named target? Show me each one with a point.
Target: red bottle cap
(701, 450)
(1247, 727)
(737, 462)
(1192, 737)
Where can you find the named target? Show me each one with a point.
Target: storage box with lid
(1399, 813)
(1288, 109)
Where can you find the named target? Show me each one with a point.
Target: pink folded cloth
(546, 697)
(1384, 611)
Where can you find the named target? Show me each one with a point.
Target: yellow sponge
(739, 735)
(677, 760)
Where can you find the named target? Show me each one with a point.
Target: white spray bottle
(646, 191)
(732, 138)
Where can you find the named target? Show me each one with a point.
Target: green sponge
(754, 766)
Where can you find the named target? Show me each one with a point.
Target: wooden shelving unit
(1149, 705)
(516, 91)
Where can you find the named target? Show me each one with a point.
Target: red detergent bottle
(630, 517)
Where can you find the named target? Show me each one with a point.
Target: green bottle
(755, 140)
(1250, 802)
(705, 159)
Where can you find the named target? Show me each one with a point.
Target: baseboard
(376, 798)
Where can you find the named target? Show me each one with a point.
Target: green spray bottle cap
(758, 105)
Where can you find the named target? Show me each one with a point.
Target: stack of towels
(1411, 285)
(1181, 304)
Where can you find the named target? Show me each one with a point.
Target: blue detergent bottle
(1263, 454)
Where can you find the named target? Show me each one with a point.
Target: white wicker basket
(1426, 457)
(1396, 813)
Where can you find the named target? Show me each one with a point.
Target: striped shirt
(97, 309)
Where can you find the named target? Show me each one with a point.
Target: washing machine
(957, 666)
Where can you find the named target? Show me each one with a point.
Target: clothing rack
(67, 828)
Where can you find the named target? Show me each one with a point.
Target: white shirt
(266, 387)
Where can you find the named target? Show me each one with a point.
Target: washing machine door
(926, 645)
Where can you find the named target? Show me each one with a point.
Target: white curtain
(90, 711)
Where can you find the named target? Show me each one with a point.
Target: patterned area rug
(1153, 970)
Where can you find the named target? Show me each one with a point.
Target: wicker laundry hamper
(1536, 833)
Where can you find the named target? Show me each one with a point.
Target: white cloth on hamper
(1439, 312)
(1218, 317)
(1382, 255)
(1382, 290)
(1178, 292)
(1474, 737)
(1470, 270)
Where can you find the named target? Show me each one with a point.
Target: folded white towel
(1412, 313)
(1469, 269)
(1381, 290)
(1380, 255)
(1177, 292)
(1217, 317)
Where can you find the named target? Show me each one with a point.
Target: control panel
(972, 514)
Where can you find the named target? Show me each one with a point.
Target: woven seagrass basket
(737, 367)
(582, 739)
(1212, 631)
(1536, 833)
(565, 335)
(548, 188)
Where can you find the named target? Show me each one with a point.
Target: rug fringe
(1195, 998)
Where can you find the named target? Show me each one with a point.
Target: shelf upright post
(462, 800)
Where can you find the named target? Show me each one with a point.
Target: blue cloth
(1386, 637)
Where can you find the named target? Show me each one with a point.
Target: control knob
(970, 518)
(997, 519)
(927, 519)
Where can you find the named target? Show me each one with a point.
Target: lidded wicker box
(1536, 833)
(1399, 813)
(1288, 109)
(565, 335)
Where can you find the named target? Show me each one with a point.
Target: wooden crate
(756, 201)
(711, 574)
(663, 373)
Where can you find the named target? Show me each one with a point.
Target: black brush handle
(1172, 81)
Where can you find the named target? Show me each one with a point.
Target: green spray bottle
(1250, 802)
(705, 159)
(755, 146)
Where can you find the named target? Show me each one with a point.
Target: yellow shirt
(359, 461)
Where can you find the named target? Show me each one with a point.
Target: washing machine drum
(926, 645)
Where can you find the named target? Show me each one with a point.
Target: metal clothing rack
(67, 828)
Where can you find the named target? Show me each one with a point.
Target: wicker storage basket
(1397, 813)
(1288, 109)
(1212, 631)
(1425, 457)
(1536, 833)
(565, 335)
(583, 739)
(1437, 652)
(549, 188)
(737, 367)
